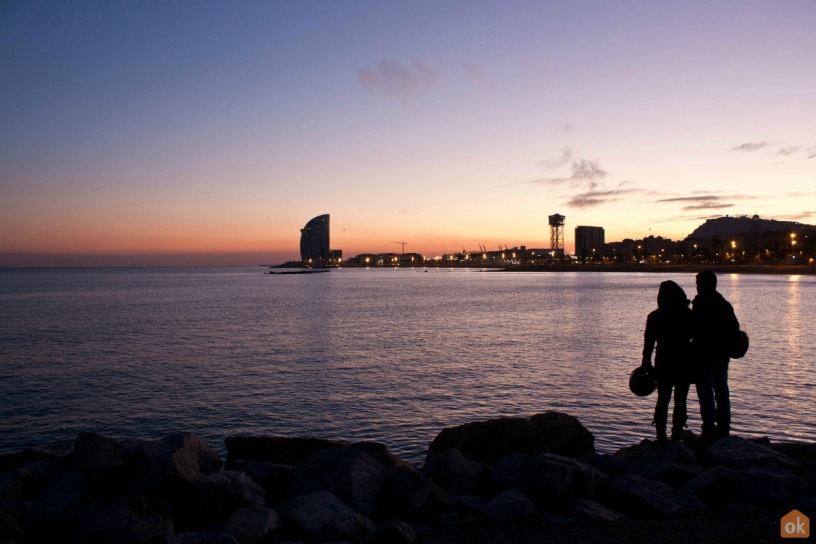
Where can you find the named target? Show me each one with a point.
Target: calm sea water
(391, 355)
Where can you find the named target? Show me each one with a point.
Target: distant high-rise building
(314, 239)
(588, 239)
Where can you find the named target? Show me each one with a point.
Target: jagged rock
(33, 517)
(672, 473)
(741, 507)
(457, 475)
(803, 454)
(150, 465)
(225, 491)
(720, 485)
(96, 456)
(490, 441)
(676, 452)
(381, 453)
(810, 479)
(508, 507)
(49, 453)
(280, 450)
(606, 464)
(284, 450)
(591, 510)
(393, 531)
(548, 479)
(10, 530)
(17, 484)
(738, 453)
(199, 538)
(353, 476)
(324, 515)
(62, 491)
(398, 491)
(274, 479)
(430, 502)
(640, 497)
(126, 520)
(474, 503)
(250, 522)
(632, 453)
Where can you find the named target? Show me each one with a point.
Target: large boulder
(153, 466)
(251, 522)
(606, 464)
(675, 452)
(95, 456)
(17, 484)
(630, 454)
(193, 537)
(323, 515)
(672, 473)
(592, 511)
(284, 450)
(549, 480)
(721, 485)
(398, 491)
(280, 450)
(490, 441)
(274, 479)
(35, 518)
(126, 520)
(225, 491)
(49, 453)
(353, 476)
(644, 498)
(458, 475)
(738, 453)
(429, 504)
(803, 454)
(509, 507)
(392, 531)
(63, 490)
(10, 530)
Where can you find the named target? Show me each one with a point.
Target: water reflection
(388, 355)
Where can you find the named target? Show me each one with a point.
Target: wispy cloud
(679, 218)
(796, 217)
(405, 82)
(595, 196)
(699, 198)
(564, 158)
(751, 146)
(811, 153)
(788, 150)
(582, 171)
(705, 201)
(711, 206)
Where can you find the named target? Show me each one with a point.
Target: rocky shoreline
(501, 480)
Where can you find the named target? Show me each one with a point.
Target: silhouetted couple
(691, 348)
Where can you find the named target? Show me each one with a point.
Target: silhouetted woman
(670, 326)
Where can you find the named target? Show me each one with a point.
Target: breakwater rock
(493, 474)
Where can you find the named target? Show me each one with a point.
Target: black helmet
(642, 381)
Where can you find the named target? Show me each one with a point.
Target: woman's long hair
(671, 296)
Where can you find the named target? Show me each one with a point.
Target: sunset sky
(175, 133)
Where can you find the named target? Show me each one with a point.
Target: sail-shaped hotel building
(314, 240)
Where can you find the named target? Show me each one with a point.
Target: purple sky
(210, 132)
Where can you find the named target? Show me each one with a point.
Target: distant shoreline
(674, 269)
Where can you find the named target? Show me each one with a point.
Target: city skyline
(199, 133)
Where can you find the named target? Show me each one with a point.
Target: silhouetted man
(714, 323)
